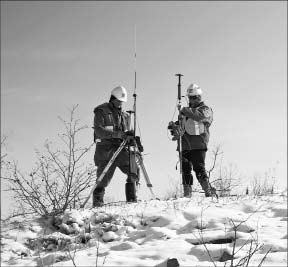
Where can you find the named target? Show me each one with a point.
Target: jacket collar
(199, 105)
(113, 108)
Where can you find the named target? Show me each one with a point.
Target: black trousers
(122, 162)
(193, 160)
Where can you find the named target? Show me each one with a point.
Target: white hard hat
(120, 93)
(194, 89)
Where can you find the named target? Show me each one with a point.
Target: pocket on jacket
(108, 119)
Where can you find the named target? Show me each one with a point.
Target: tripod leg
(148, 182)
(132, 161)
(99, 179)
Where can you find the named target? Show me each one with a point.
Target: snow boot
(130, 191)
(208, 189)
(187, 188)
(98, 195)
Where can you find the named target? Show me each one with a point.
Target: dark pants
(122, 162)
(193, 159)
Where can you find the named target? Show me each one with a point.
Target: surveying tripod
(139, 160)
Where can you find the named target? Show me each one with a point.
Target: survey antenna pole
(180, 123)
(136, 151)
(135, 78)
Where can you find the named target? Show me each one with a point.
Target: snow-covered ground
(193, 232)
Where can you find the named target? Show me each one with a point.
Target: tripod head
(133, 140)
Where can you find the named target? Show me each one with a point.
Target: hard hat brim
(122, 99)
(193, 92)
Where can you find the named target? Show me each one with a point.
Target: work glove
(175, 130)
(176, 134)
(129, 133)
(139, 144)
(186, 111)
(130, 137)
(119, 135)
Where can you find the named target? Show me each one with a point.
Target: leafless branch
(60, 175)
(216, 152)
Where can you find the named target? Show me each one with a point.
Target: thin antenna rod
(135, 78)
(135, 56)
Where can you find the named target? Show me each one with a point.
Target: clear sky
(56, 54)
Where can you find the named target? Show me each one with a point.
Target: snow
(195, 231)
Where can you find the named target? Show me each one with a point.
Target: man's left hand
(186, 111)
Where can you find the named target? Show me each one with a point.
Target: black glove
(129, 133)
(139, 144)
(175, 130)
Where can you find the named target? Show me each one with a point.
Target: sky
(182, 229)
(58, 54)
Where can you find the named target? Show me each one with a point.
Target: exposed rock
(64, 228)
(36, 228)
(226, 256)
(76, 228)
(85, 237)
(109, 227)
(109, 236)
(58, 239)
(58, 220)
(50, 259)
(47, 260)
(172, 263)
(72, 216)
(51, 246)
(101, 217)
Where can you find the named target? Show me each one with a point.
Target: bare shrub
(174, 191)
(225, 178)
(59, 176)
(229, 257)
(253, 244)
(262, 187)
(3, 145)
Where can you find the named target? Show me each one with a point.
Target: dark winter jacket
(108, 119)
(196, 122)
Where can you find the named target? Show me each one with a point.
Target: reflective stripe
(132, 148)
(197, 130)
(110, 127)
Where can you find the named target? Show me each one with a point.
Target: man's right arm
(101, 131)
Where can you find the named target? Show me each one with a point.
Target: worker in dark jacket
(110, 127)
(195, 122)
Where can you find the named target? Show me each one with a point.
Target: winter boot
(130, 191)
(98, 195)
(187, 188)
(208, 189)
